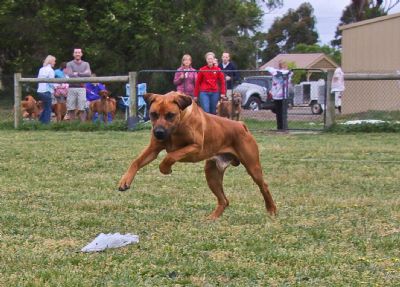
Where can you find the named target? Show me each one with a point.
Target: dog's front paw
(123, 184)
(165, 168)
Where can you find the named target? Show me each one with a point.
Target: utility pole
(257, 45)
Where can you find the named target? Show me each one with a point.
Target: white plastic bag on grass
(104, 241)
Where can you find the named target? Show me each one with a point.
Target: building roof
(369, 21)
(303, 61)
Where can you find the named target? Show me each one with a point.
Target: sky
(327, 12)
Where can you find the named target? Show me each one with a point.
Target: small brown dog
(188, 134)
(103, 106)
(230, 109)
(60, 110)
(30, 108)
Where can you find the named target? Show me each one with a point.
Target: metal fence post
(330, 101)
(132, 90)
(285, 102)
(17, 100)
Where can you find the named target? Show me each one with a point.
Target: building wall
(371, 46)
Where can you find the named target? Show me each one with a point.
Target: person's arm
(199, 79)
(178, 79)
(51, 75)
(87, 72)
(235, 74)
(222, 86)
(68, 71)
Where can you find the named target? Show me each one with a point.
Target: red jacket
(209, 81)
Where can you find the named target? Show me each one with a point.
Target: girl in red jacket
(210, 83)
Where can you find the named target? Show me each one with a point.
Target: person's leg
(71, 103)
(214, 98)
(81, 103)
(45, 116)
(204, 101)
(279, 118)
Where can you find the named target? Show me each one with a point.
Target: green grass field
(338, 221)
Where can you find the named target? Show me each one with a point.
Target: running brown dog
(230, 109)
(188, 134)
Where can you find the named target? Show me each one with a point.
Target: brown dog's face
(104, 94)
(237, 98)
(165, 112)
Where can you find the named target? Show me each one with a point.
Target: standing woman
(210, 83)
(185, 78)
(45, 90)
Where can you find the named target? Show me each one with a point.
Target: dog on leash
(230, 109)
(103, 106)
(188, 134)
(30, 108)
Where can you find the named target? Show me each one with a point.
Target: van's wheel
(253, 104)
(316, 108)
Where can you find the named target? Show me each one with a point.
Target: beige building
(371, 46)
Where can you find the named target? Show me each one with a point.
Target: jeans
(279, 114)
(208, 101)
(45, 116)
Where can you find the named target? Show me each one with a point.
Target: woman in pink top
(185, 78)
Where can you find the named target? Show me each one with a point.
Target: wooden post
(330, 101)
(17, 100)
(132, 92)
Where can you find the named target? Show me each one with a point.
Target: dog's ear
(183, 101)
(149, 98)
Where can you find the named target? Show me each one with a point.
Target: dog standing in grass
(188, 134)
(230, 109)
(103, 106)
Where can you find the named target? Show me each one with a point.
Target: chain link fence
(370, 97)
(305, 95)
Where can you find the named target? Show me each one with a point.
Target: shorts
(58, 100)
(76, 99)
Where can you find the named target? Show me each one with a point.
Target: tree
(360, 10)
(295, 27)
(333, 53)
(125, 35)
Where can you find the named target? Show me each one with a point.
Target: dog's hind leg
(214, 177)
(249, 157)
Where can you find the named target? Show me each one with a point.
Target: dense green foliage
(121, 36)
(293, 28)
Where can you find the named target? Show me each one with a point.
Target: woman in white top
(45, 90)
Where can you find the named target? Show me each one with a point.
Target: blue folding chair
(125, 102)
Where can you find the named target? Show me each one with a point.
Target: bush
(387, 127)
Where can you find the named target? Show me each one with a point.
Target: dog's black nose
(160, 133)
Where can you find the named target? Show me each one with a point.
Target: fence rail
(132, 79)
(371, 76)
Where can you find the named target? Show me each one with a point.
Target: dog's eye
(169, 116)
(153, 115)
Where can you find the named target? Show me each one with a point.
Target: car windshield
(260, 82)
